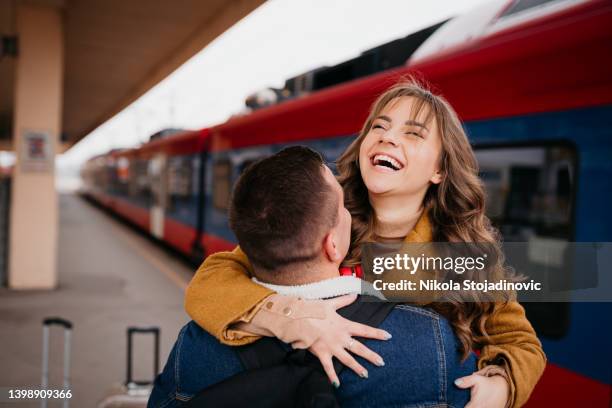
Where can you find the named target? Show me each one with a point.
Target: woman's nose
(389, 137)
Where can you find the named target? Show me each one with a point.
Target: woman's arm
(222, 293)
(512, 343)
(225, 302)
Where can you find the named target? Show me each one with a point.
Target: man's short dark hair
(281, 208)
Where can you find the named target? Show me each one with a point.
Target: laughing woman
(409, 176)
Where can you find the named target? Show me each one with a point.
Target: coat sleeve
(513, 344)
(222, 293)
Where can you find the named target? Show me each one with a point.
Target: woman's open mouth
(385, 162)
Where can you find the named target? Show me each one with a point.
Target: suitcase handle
(144, 330)
(57, 321)
(153, 329)
(67, 325)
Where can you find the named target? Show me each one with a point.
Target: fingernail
(335, 384)
(380, 362)
(458, 382)
(387, 335)
(364, 374)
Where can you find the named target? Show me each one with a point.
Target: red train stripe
(560, 63)
(179, 235)
(213, 244)
(560, 387)
(137, 215)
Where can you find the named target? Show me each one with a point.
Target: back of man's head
(281, 209)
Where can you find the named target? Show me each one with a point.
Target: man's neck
(302, 274)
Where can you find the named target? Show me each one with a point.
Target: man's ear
(437, 177)
(329, 246)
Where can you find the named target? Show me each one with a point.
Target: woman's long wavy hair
(456, 206)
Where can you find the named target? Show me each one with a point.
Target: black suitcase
(133, 393)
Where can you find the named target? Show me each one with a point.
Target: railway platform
(110, 277)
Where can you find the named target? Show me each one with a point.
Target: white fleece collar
(328, 288)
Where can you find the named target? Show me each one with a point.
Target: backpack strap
(367, 310)
(277, 376)
(265, 352)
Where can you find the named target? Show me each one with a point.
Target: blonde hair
(456, 206)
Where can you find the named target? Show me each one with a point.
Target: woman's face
(400, 156)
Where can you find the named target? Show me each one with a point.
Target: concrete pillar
(37, 126)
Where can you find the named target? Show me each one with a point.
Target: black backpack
(277, 376)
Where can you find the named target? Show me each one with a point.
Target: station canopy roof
(115, 51)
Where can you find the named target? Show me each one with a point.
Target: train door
(159, 186)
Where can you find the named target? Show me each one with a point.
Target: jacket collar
(422, 230)
(328, 288)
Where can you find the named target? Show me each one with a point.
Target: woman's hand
(336, 340)
(489, 392)
(315, 325)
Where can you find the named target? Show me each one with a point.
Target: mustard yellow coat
(221, 293)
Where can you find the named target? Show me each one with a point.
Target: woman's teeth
(386, 161)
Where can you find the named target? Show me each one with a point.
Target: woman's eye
(377, 127)
(417, 134)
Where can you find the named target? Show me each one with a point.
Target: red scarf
(351, 271)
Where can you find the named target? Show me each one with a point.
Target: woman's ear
(437, 177)
(329, 246)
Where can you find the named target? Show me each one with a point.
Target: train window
(222, 184)
(180, 171)
(112, 179)
(179, 176)
(529, 199)
(139, 188)
(529, 190)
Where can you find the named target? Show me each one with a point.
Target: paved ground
(110, 277)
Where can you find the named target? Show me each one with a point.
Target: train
(532, 82)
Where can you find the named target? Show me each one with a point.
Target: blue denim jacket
(421, 363)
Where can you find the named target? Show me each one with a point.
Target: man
(288, 214)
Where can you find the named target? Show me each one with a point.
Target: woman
(410, 176)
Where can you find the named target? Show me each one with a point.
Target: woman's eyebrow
(415, 123)
(383, 117)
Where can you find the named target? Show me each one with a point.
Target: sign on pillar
(37, 154)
